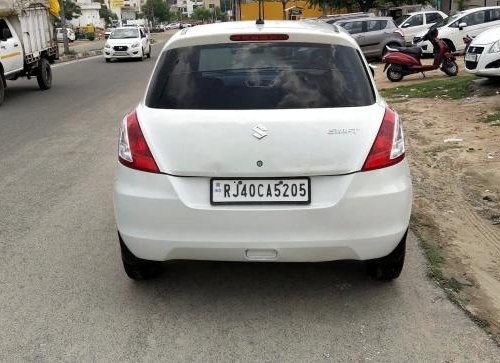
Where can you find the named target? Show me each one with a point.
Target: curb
(76, 56)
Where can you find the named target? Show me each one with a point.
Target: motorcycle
(402, 61)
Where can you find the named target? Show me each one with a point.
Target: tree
(156, 10)
(283, 4)
(219, 15)
(201, 13)
(107, 15)
(71, 10)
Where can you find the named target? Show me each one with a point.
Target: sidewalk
(86, 48)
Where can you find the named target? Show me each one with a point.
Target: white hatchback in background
(483, 55)
(453, 29)
(262, 143)
(414, 23)
(127, 42)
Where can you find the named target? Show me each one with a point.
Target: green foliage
(202, 13)
(71, 10)
(107, 15)
(157, 11)
(455, 88)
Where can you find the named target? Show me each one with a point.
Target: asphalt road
(64, 295)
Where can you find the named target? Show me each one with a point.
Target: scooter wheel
(394, 73)
(450, 68)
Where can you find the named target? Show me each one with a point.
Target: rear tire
(395, 73)
(149, 52)
(389, 267)
(449, 67)
(137, 268)
(44, 75)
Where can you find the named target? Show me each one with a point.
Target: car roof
(424, 12)
(366, 19)
(473, 10)
(210, 32)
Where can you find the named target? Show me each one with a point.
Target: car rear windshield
(260, 76)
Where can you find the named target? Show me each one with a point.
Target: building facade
(90, 14)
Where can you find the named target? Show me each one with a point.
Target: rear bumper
(359, 216)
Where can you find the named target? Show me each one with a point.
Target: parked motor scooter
(402, 61)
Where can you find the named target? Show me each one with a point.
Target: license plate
(470, 57)
(260, 191)
(121, 53)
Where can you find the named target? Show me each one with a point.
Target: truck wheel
(44, 75)
(2, 89)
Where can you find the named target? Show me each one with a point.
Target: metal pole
(64, 35)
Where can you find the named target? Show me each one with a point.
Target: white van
(413, 23)
(469, 22)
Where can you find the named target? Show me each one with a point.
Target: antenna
(260, 20)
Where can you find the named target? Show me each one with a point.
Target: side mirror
(405, 25)
(462, 25)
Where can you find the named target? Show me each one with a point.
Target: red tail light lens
(133, 150)
(389, 147)
(257, 37)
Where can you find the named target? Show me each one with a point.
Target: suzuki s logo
(260, 131)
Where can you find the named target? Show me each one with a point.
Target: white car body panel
(486, 40)
(352, 214)
(456, 35)
(346, 133)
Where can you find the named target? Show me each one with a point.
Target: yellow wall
(274, 10)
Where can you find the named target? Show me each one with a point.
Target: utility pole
(64, 34)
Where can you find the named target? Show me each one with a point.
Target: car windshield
(448, 20)
(401, 19)
(260, 76)
(125, 34)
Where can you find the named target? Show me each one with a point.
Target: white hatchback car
(262, 143)
(453, 29)
(483, 55)
(413, 23)
(127, 42)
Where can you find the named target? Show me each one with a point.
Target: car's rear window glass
(238, 76)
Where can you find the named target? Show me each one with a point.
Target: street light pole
(64, 34)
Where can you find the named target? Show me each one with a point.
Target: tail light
(389, 145)
(399, 31)
(133, 150)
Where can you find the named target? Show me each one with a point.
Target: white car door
(11, 53)
(412, 26)
(476, 23)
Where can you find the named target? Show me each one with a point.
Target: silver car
(373, 34)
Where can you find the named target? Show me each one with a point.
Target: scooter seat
(410, 50)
